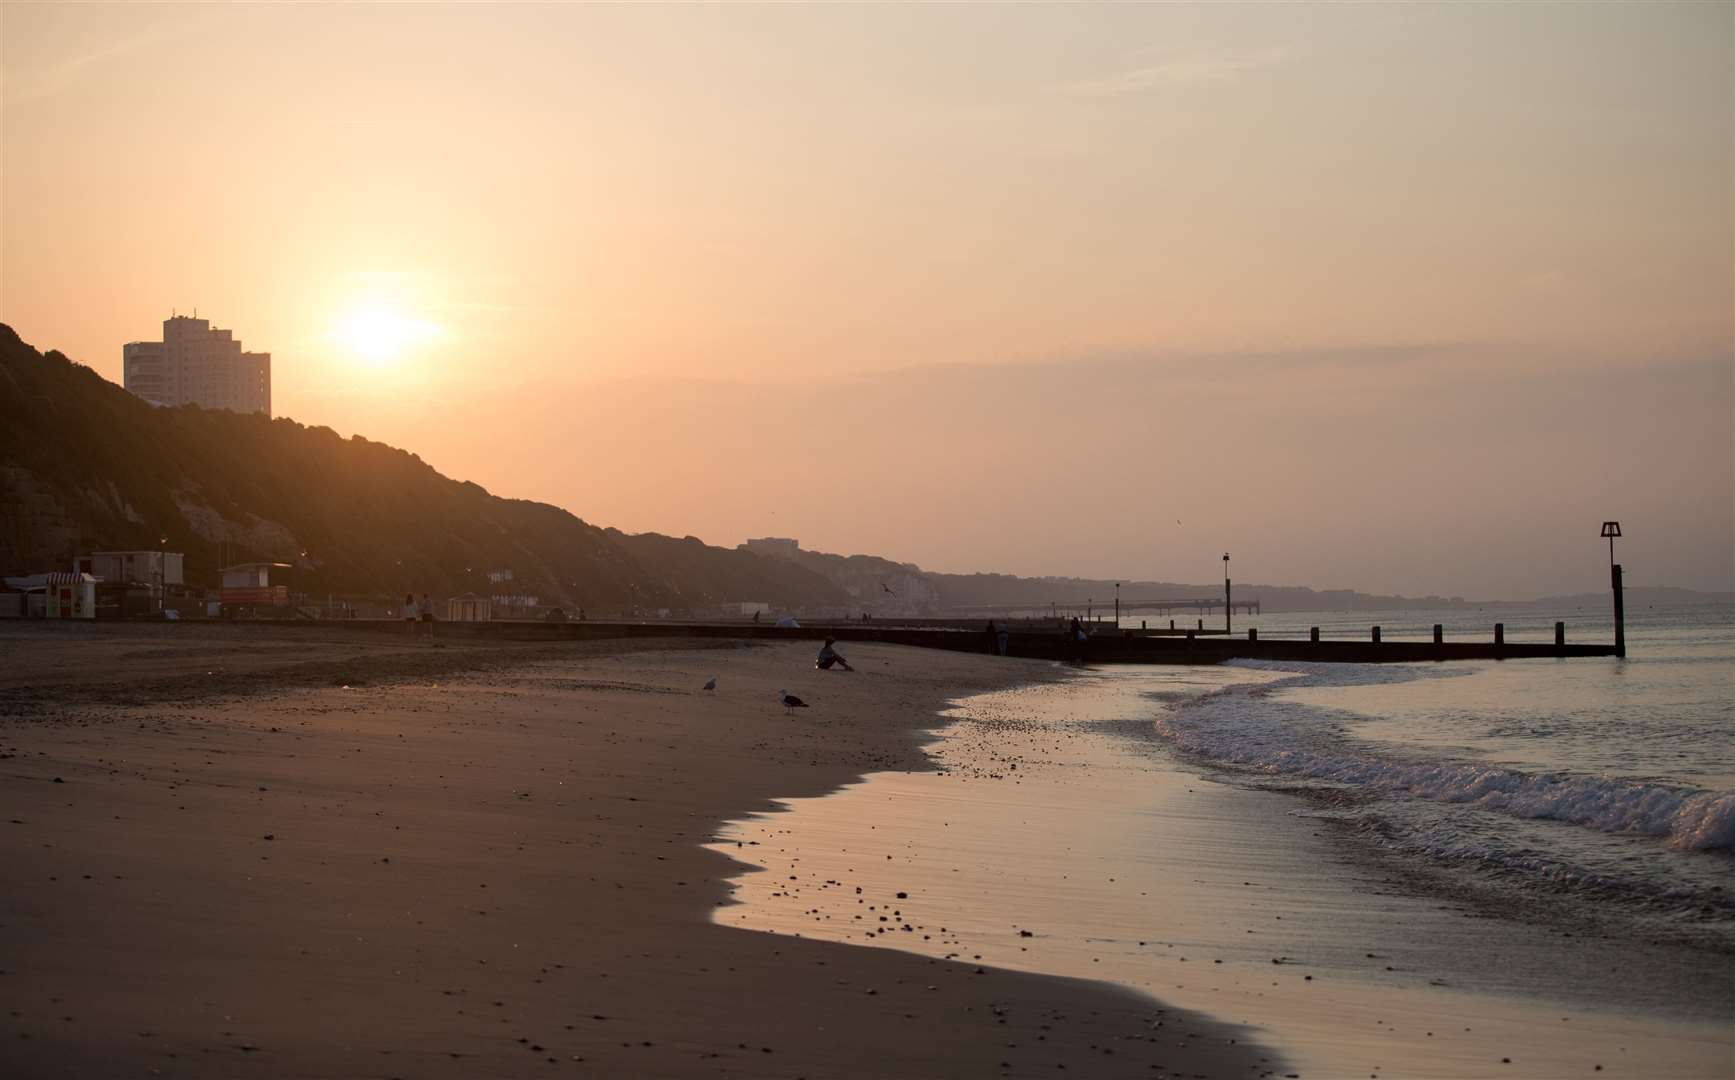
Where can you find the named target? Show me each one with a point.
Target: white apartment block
(197, 364)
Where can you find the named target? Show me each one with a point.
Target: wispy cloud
(23, 83)
(1184, 66)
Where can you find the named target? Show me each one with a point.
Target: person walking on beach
(1003, 637)
(410, 613)
(428, 613)
(993, 635)
(829, 656)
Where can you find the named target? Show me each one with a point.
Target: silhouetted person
(410, 613)
(1003, 638)
(993, 635)
(428, 613)
(829, 656)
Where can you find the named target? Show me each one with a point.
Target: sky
(1396, 298)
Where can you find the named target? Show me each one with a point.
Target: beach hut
(71, 596)
(249, 585)
(469, 607)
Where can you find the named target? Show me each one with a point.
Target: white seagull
(790, 701)
(711, 683)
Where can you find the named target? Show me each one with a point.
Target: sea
(1608, 782)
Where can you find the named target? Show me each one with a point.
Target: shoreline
(490, 871)
(1217, 897)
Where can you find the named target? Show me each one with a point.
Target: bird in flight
(790, 701)
(711, 683)
(886, 589)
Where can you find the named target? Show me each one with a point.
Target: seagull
(886, 589)
(790, 701)
(711, 683)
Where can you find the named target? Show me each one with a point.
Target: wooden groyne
(1107, 647)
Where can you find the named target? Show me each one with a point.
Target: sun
(380, 336)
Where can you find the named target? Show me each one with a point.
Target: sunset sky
(1403, 298)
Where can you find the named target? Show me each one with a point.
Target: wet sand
(229, 852)
(1049, 845)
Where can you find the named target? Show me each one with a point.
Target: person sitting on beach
(829, 656)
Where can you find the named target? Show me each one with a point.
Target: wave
(1246, 728)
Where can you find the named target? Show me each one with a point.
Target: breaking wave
(1250, 729)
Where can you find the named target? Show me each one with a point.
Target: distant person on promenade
(410, 613)
(428, 613)
(1003, 638)
(993, 635)
(829, 656)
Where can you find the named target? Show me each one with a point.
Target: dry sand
(475, 861)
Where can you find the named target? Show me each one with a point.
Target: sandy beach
(234, 851)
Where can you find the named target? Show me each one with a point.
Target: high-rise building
(197, 364)
(781, 547)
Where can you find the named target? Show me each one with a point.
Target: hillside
(86, 466)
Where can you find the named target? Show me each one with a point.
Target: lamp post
(1226, 600)
(1612, 529)
(1117, 605)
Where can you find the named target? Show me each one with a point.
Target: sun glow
(380, 336)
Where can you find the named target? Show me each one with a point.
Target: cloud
(25, 83)
(1173, 66)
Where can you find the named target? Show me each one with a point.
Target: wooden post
(1171, 624)
(1620, 609)
(1201, 624)
(1439, 634)
(1313, 634)
(1499, 633)
(1376, 635)
(1560, 635)
(1252, 633)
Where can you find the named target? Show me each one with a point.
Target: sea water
(1603, 783)
(1416, 869)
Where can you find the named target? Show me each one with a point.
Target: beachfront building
(151, 574)
(469, 607)
(153, 568)
(198, 364)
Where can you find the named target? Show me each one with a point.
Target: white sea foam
(1248, 728)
